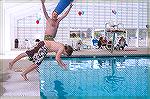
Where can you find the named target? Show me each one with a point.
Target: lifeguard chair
(111, 30)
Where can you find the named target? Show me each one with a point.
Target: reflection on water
(112, 82)
(115, 76)
(97, 63)
(60, 90)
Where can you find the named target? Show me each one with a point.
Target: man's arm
(44, 9)
(66, 13)
(58, 58)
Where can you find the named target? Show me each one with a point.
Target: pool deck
(14, 85)
(104, 52)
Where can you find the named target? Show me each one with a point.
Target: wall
(1, 27)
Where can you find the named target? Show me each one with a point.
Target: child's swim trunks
(38, 53)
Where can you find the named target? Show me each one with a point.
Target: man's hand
(43, 1)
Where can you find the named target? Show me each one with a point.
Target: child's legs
(22, 55)
(29, 69)
(37, 59)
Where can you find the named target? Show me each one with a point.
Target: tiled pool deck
(104, 52)
(14, 85)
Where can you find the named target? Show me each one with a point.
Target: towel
(62, 4)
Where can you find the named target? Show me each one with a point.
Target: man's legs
(22, 55)
(29, 69)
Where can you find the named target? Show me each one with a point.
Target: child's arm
(44, 10)
(58, 58)
(65, 14)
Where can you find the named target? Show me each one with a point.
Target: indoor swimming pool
(95, 77)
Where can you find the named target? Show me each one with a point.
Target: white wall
(16, 12)
(1, 27)
(95, 16)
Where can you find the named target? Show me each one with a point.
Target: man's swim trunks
(38, 53)
(49, 37)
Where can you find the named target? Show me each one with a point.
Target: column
(1, 28)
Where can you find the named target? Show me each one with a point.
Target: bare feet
(10, 65)
(24, 76)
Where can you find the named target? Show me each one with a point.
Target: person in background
(121, 44)
(100, 42)
(78, 45)
(95, 42)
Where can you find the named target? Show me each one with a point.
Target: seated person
(121, 44)
(102, 42)
(95, 42)
(78, 45)
(109, 44)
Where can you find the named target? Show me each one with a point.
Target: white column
(7, 29)
(137, 39)
(148, 38)
(1, 28)
(137, 32)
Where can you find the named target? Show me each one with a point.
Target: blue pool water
(95, 77)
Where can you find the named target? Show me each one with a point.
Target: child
(43, 48)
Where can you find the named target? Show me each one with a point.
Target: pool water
(95, 77)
